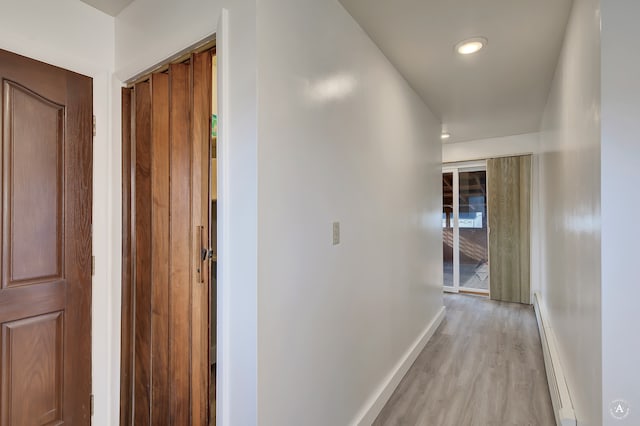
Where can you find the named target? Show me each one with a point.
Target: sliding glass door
(464, 228)
(447, 227)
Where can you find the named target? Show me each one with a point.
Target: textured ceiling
(498, 91)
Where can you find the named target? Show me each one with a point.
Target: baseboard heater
(562, 405)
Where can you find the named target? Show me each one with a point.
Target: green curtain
(509, 193)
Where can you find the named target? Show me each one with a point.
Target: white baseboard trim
(381, 395)
(560, 397)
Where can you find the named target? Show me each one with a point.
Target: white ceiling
(498, 91)
(110, 7)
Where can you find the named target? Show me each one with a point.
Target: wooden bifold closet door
(166, 144)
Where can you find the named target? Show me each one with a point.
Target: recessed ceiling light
(444, 136)
(471, 45)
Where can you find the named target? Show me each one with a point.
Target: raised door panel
(33, 195)
(32, 370)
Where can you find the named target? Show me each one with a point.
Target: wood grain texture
(169, 226)
(126, 326)
(39, 298)
(180, 264)
(78, 183)
(59, 282)
(33, 166)
(509, 211)
(34, 367)
(483, 366)
(78, 200)
(160, 250)
(201, 136)
(142, 250)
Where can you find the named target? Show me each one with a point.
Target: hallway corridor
(483, 366)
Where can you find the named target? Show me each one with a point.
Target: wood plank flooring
(483, 366)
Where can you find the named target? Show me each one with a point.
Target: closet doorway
(169, 219)
(465, 228)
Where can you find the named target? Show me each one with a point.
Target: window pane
(447, 227)
(474, 269)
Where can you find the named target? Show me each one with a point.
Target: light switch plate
(336, 233)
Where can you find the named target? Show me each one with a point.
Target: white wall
(570, 195)
(150, 31)
(342, 137)
(620, 201)
(72, 35)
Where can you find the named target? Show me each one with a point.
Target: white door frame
(222, 356)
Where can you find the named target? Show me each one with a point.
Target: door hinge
(91, 405)
(94, 125)
(93, 265)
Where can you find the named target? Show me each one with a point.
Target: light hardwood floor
(483, 366)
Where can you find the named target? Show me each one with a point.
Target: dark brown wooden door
(45, 290)
(166, 154)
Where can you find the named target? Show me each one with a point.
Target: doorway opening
(169, 307)
(465, 228)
